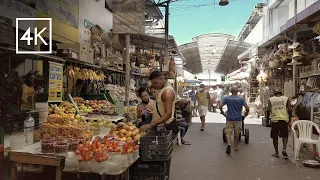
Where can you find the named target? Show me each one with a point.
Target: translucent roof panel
(211, 48)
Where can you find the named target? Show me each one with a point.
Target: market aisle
(206, 159)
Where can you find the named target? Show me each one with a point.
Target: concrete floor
(206, 159)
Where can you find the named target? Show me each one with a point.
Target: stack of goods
(118, 92)
(155, 150)
(62, 125)
(126, 132)
(62, 121)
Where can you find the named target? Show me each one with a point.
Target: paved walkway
(206, 159)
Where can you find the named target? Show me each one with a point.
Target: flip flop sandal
(284, 153)
(186, 143)
(228, 151)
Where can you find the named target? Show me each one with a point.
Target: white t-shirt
(219, 93)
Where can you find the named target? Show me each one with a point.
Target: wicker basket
(274, 64)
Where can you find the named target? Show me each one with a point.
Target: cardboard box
(90, 55)
(81, 48)
(83, 53)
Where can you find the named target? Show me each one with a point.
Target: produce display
(95, 106)
(126, 132)
(65, 107)
(62, 124)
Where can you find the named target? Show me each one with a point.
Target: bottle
(28, 129)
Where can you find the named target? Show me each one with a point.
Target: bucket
(41, 105)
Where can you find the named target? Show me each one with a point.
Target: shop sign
(89, 10)
(55, 82)
(88, 25)
(14, 9)
(64, 10)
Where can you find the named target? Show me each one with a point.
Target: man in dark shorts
(280, 109)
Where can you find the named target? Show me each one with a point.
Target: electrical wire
(182, 7)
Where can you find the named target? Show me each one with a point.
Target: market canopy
(190, 52)
(212, 53)
(229, 59)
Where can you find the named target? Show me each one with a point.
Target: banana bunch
(70, 73)
(88, 74)
(131, 111)
(100, 76)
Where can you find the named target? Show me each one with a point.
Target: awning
(192, 81)
(190, 52)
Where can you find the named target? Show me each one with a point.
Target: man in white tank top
(163, 112)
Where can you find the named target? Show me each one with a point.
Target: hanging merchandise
(55, 81)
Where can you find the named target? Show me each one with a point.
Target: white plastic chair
(305, 133)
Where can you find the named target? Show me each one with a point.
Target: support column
(294, 62)
(128, 67)
(165, 64)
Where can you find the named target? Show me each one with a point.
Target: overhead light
(223, 2)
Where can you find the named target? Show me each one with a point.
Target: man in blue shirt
(192, 95)
(234, 116)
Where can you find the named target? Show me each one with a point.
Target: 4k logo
(37, 35)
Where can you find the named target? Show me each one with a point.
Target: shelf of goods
(118, 92)
(254, 90)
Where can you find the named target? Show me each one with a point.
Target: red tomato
(80, 147)
(110, 149)
(81, 158)
(77, 152)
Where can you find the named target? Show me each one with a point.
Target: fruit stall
(80, 144)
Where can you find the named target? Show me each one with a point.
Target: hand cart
(244, 132)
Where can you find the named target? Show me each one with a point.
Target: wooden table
(20, 158)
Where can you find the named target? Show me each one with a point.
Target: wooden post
(127, 85)
(261, 97)
(1, 162)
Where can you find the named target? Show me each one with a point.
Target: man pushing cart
(234, 117)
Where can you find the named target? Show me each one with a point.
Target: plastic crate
(156, 157)
(149, 177)
(15, 123)
(156, 148)
(149, 168)
(156, 138)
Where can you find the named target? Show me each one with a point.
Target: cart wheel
(224, 135)
(246, 136)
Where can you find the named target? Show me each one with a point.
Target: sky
(190, 18)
